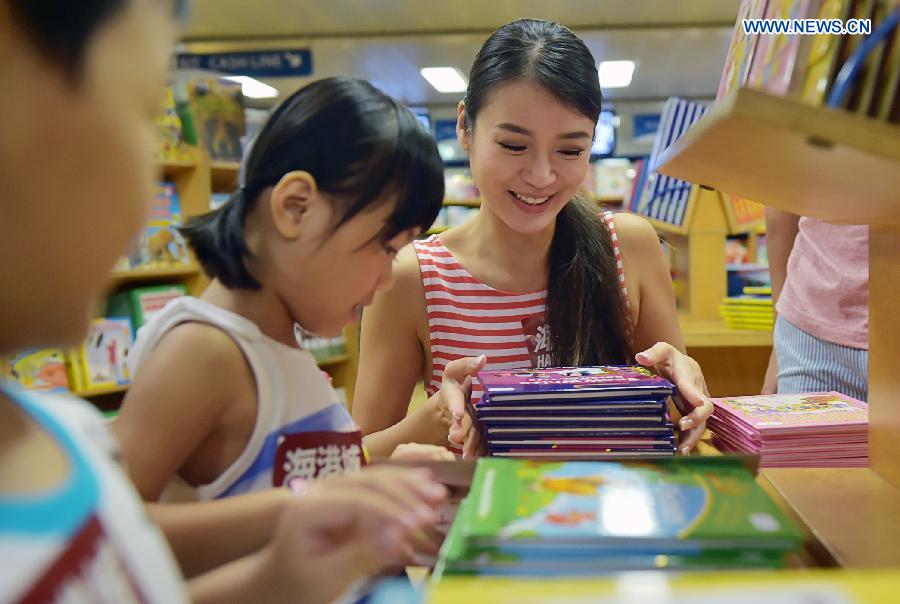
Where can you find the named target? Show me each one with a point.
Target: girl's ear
(290, 201)
(462, 132)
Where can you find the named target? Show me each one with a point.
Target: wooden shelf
(811, 161)
(715, 334)
(853, 512)
(169, 168)
(335, 360)
(469, 203)
(153, 274)
(92, 392)
(224, 175)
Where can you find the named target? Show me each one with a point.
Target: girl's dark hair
(586, 310)
(360, 146)
(61, 29)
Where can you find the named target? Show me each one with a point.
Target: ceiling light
(445, 79)
(615, 74)
(253, 88)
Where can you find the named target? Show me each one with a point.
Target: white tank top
(302, 430)
(88, 540)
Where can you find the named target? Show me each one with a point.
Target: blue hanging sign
(284, 63)
(645, 124)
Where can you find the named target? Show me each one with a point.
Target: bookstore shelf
(469, 203)
(807, 160)
(224, 175)
(715, 334)
(169, 167)
(153, 274)
(335, 360)
(93, 392)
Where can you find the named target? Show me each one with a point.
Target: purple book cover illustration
(572, 380)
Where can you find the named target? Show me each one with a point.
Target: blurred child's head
(340, 178)
(83, 81)
(528, 120)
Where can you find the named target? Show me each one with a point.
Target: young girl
(340, 178)
(76, 141)
(537, 278)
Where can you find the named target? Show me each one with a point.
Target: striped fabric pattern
(467, 318)
(810, 364)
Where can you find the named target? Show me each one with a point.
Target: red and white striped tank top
(467, 318)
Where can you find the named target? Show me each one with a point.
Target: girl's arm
(178, 399)
(656, 336)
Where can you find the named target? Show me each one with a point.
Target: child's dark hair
(359, 145)
(61, 29)
(585, 307)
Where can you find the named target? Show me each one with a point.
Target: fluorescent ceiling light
(445, 79)
(615, 74)
(253, 88)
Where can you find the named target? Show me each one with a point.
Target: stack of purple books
(568, 413)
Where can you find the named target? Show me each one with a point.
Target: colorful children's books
(40, 370)
(821, 429)
(143, 303)
(217, 108)
(104, 350)
(160, 245)
(524, 517)
(575, 413)
(170, 142)
(742, 48)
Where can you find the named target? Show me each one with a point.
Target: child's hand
(692, 398)
(420, 452)
(347, 529)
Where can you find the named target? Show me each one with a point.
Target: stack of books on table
(575, 413)
(820, 429)
(583, 518)
(751, 310)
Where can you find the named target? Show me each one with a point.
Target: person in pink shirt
(820, 285)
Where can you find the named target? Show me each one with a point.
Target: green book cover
(677, 505)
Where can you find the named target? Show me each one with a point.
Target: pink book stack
(812, 430)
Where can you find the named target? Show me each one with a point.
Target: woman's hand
(456, 388)
(692, 398)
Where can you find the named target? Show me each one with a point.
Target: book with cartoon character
(160, 245)
(619, 515)
(104, 351)
(40, 370)
(816, 429)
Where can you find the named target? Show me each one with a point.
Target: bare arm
(649, 285)
(391, 360)
(177, 400)
(781, 231)
(657, 339)
(178, 396)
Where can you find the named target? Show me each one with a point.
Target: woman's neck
(262, 306)
(490, 240)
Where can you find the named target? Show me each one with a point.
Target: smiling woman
(538, 277)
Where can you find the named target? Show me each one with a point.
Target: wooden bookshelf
(811, 161)
(468, 203)
(106, 390)
(224, 175)
(175, 273)
(837, 167)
